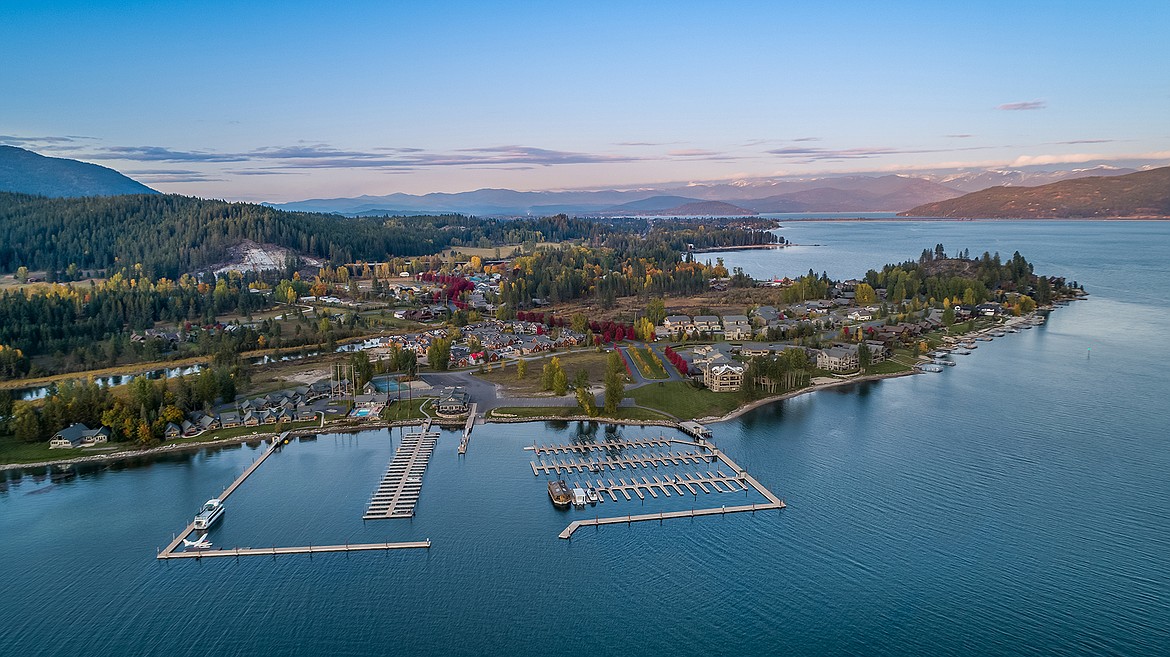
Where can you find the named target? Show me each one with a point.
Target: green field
(592, 362)
(411, 409)
(685, 401)
(648, 363)
(570, 411)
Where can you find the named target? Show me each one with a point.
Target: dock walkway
(304, 549)
(629, 461)
(471, 420)
(169, 551)
(692, 513)
(541, 450)
(399, 490)
(680, 484)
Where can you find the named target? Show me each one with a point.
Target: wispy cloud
(697, 153)
(1024, 105)
(170, 176)
(160, 154)
(324, 156)
(1086, 141)
(800, 139)
(960, 136)
(812, 154)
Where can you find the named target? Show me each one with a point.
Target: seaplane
(200, 543)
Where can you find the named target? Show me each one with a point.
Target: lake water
(1018, 503)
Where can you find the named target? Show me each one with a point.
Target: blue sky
(290, 100)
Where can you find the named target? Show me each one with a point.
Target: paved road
(487, 394)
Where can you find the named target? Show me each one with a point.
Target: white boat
(929, 367)
(579, 497)
(211, 512)
(593, 496)
(939, 361)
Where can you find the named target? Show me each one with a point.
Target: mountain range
(840, 194)
(27, 172)
(1145, 194)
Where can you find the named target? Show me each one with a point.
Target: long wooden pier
(398, 492)
(667, 515)
(304, 549)
(169, 551)
(467, 429)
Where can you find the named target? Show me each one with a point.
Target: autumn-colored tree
(864, 294)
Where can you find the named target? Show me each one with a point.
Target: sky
(291, 100)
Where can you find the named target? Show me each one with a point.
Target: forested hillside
(1141, 194)
(172, 235)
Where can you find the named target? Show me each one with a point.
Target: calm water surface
(1015, 504)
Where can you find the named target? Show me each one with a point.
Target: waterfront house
(841, 358)
(78, 435)
(229, 419)
(453, 401)
(723, 377)
(172, 431)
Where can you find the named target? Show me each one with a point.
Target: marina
(541, 450)
(570, 459)
(634, 461)
(399, 490)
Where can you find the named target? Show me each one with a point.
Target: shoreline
(796, 393)
(125, 454)
(348, 427)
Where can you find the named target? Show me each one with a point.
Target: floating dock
(467, 429)
(305, 549)
(398, 493)
(541, 450)
(667, 515)
(627, 462)
(653, 484)
(169, 551)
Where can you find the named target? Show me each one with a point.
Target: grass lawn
(592, 362)
(13, 451)
(888, 367)
(684, 401)
(648, 363)
(406, 410)
(569, 411)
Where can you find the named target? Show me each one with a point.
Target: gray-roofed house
(78, 435)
